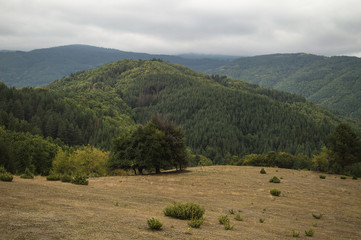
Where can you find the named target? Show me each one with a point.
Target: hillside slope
(332, 82)
(42, 66)
(219, 115)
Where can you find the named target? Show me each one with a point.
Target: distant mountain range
(42, 66)
(332, 82)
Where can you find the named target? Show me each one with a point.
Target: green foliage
(261, 220)
(223, 219)
(343, 177)
(195, 222)
(67, 178)
(273, 159)
(275, 192)
(238, 217)
(154, 223)
(262, 171)
(295, 233)
(53, 176)
(330, 82)
(159, 144)
(309, 232)
(4, 175)
(80, 180)
(322, 176)
(346, 145)
(27, 174)
(184, 210)
(275, 180)
(317, 216)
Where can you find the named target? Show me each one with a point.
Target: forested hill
(42, 66)
(332, 82)
(219, 115)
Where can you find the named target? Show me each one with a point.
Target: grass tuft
(154, 224)
(309, 232)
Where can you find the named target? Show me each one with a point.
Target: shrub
(66, 178)
(53, 177)
(322, 176)
(223, 219)
(262, 171)
(195, 222)
(343, 177)
(231, 211)
(27, 174)
(261, 220)
(6, 177)
(295, 234)
(354, 178)
(317, 216)
(2, 170)
(184, 211)
(80, 180)
(227, 226)
(238, 217)
(154, 224)
(310, 232)
(275, 192)
(275, 180)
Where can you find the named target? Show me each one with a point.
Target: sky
(230, 27)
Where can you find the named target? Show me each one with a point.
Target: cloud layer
(234, 27)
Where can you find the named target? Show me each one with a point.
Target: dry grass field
(118, 207)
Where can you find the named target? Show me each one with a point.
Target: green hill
(332, 82)
(220, 116)
(42, 66)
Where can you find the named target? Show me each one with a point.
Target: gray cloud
(169, 26)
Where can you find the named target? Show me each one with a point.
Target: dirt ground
(118, 207)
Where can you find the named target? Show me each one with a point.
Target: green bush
(223, 219)
(227, 226)
(295, 234)
(262, 171)
(275, 180)
(154, 224)
(6, 177)
(275, 192)
(261, 220)
(317, 216)
(310, 232)
(195, 222)
(66, 178)
(322, 176)
(2, 169)
(80, 180)
(354, 178)
(27, 174)
(53, 177)
(184, 211)
(343, 177)
(238, 217)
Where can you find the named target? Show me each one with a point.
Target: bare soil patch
(118, 207)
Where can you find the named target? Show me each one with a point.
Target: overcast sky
(233, 27)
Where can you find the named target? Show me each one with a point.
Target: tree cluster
(160, 144)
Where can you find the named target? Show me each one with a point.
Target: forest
(223, 119)
(332, 82)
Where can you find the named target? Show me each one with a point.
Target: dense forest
(223, 119)
(332, 82)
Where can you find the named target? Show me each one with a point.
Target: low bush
(80, 180)
(317, 216)
(154, 224)
(227, 226)
(343, 177)
(262, 171)
(6, 177)
(195, 222)
(66, 178)
(295, 234)
(186, 211)
(261, 220)
(238, 217)
(275, 192)
(53, 177)
(354, 178)
(309, 232)
(223, 219)
(231, 211)
(275, 180)
(322, 176)
(27, 174)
